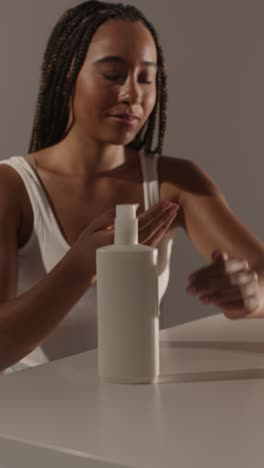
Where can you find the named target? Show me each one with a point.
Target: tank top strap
(149, 164)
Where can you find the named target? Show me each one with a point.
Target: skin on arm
(25, 320)
(235, 279)
(10, 216)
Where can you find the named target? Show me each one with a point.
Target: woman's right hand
(152, 226)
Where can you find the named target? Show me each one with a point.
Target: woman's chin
(120, 139)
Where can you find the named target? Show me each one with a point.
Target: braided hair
(70, 39)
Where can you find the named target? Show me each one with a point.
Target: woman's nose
(131, 93)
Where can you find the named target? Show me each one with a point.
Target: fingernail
(172, 212)
(165, 205)
(175, 207)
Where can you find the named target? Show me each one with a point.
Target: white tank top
(77, 332)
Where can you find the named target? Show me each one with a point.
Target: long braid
(70, 40)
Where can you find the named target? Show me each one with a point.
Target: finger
(234, 311)
(212, 270)
(155, 240)
(251, 303)
(208, 283)
(248, 294)
(102, 221)
(233, 299)
(220, 280)
(148, 235)
(107, 218)
(243, 277)
(102, 238)
(235, 265)
(218, 255)
(219, 265)
(152, 235)
(219, 296)
(150, 217)
(249, 289)
(248, 305)
(110, 227)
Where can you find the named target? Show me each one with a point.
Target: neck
(87, 156)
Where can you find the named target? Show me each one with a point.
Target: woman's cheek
(149, 103)
(147, 106)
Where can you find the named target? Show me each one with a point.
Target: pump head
(126, 224)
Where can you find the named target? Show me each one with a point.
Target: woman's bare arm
(235, 279)
(27, 319)
(211, 224)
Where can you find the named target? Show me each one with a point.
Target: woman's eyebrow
(115, 58)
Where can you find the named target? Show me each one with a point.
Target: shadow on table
(211, 376)
(241, 346)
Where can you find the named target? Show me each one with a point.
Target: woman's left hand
(228, 283)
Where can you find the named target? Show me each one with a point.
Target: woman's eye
(117, 77)
(146, 82)
(112, 78)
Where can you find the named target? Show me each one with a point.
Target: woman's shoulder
(10, 181)
(11, 194)
(15, 206)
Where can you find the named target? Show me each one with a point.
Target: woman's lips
(125, 120)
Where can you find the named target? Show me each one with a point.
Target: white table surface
(206, 411)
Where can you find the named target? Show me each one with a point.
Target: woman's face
(118, 76)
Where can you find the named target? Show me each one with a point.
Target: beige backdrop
(214, 55)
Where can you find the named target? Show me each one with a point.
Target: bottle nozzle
(126, 224)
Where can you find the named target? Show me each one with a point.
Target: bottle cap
(126, 224)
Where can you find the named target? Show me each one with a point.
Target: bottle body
(128, 313)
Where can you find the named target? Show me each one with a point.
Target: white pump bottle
(127, 305)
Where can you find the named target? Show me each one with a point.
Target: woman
(102, 90)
